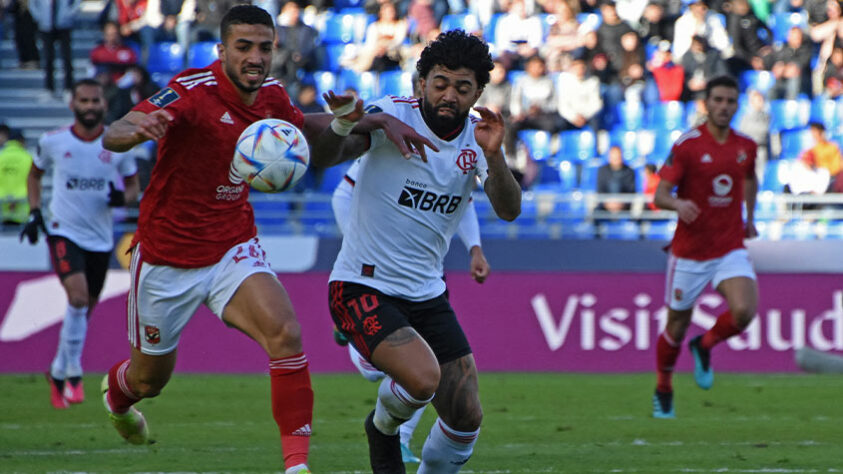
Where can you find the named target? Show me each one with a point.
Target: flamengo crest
(467, 160)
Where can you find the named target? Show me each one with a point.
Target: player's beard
(90, 119)
(442, 126)
(241, 84)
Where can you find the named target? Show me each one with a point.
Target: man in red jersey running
(196, 241)
(713, 169)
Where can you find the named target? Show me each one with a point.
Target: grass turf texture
(533, 423)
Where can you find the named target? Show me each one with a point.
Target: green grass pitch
(573, 423)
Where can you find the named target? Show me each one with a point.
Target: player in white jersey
(469, 232)
(80, 234)
(386, 291)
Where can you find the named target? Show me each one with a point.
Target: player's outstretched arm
(501, 187)
(686, 209)
(135, 128)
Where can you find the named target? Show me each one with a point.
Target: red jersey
(193, 212)
(711, 175)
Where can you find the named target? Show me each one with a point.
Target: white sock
(446, 450)
(295, 469)
(408, 427)
(58, 364)
(394, 406)
(367, 370)
(72, 336)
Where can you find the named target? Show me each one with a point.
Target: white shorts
(686, 279)
(162, 299)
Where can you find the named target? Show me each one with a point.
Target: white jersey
(81, 171)
(405, 212)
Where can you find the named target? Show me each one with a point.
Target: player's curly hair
(456, 49)
(244, 15)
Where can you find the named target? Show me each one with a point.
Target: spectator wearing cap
(791, 66)
(668, 77)
(700, 63)
(698, 20)
(15, 162)
(746, 31)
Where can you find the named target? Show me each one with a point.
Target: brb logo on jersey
(722, 186)
(467, 160)
(428, 201)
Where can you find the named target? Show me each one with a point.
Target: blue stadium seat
(627, 140)
(201, 54)
(489, 31)
(789, 114)
(578, 230)
(342, 28)
(766, 206)
(799, 230)
(364, 83)
(621, 229)
(666, 116)
(343, 4)
(331, 177)
(335, 53)
(577, 145)
(460, 21)
(630, 115)
(537, 143)
(662, 143)
(776, 175)
(562, 174)
(794, 142)
(588, 176)
(165, 56)
(513, 76)
(834, 230)
(324, 81)
(761, 81)
(827, 112)
(398, 83)
(659, 230)
(781, 23)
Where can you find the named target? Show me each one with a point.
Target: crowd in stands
(577, 81)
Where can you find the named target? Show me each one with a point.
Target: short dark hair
(456, 49)
(818, 125)
(721, 81)
(244, 15)
(88, 81)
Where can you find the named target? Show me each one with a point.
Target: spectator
(651, 182)
(498, 92)
(655, 25)
(668, 76)
(631, 11)
(296, 46)
(139, 21)
(833, 75)
(746, 31)
(755, 123)
(631, 72)
(384, 37)
(134, 87)
(828, 34)
(209, 13)
(596, 59)
(306, 99)
(791, 66)
(111, 56)
(179, 16)
(15, 161)
(422, 15)
(817, 11)
(700, 63)
(581, 103)
(826, 154)
(806, 177)
(609, 33)
(533, 101)
(615, 177)
(517, 36)
(699, 21)
(55, 20)
(563, 38)
(25, 28)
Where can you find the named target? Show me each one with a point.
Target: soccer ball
(271, 155)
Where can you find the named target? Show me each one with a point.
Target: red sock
(667, 351)
(120, 395)
(723, 329)
(292, 406)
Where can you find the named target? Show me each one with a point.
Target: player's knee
(285, 337)
(743, 314)
(423, 386)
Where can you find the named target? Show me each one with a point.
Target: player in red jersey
(712, 168)
(196, 234)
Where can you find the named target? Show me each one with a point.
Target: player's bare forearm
(135, 128)
(326, 147)
(750, 191)
(131, 188)
(502, 188)
(663, 198)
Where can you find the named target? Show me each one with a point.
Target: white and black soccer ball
(271, 155)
